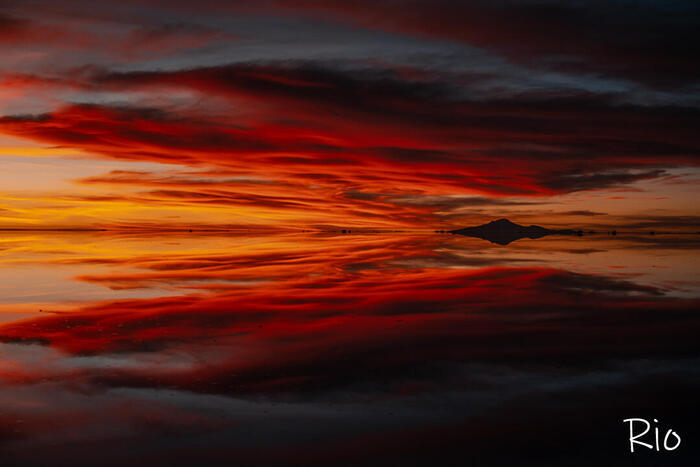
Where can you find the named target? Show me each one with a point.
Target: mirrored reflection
(213, 346)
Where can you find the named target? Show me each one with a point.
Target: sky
(376, 114)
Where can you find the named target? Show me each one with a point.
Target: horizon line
(346, 230)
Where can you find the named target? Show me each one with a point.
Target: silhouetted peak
(503, 222)
(503, 231)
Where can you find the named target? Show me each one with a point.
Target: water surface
(383, 349)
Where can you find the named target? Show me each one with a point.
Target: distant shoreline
(316, 230)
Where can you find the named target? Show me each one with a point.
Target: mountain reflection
(312, 347)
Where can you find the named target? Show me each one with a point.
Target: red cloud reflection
(313, 332)
(387, 339)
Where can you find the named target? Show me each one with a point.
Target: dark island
(504, 231)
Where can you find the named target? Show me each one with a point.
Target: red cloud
(286, 119)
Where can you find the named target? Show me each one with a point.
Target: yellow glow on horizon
(47, 151)
(42, 188)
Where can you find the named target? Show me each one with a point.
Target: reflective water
(287, 349)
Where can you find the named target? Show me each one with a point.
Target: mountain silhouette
(504, 231)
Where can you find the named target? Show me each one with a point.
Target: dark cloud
(10, 25)
(451, 203)
(650, 42)
(662, 222)
(583, 212)
(576, 182)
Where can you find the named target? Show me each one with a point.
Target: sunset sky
(378, 114)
